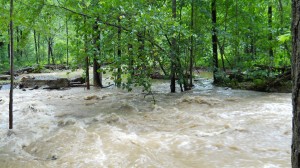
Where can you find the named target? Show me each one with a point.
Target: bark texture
(296, 83)
(214, 38)
(173, 52)
(11, 53)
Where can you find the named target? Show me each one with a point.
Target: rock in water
(44, 82)
(4, 77)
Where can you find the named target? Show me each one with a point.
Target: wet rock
(127, 108)
(35, 87)
(54, 67)
(92, 97)
(62, 123)
(54, 157)
(113, 118)
(25, 70)
(10, 133)
(199, 100)
(4, 77)
(44, 82)
(77, 80)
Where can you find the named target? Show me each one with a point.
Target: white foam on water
(119, 129)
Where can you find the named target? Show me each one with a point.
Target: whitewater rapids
(208, 127)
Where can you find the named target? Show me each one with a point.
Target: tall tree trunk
(296, 83)
(131, 61)
(183, 79)
(87, 73)
(97, 76)
(214, 39)
(119, 80)
(11, 66)
(222, 53)
(192, 43)
(49, 50)
(67, 33)
(17, 43)
(173, 53)
(141, 51)
(21, 50)
(36, 47)
(270, 15)
(130, 52)
(87, 61)
(222, 45)
(236, 47)
(8, 45)
(77, 42)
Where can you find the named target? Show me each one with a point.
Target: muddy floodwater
(208, 127)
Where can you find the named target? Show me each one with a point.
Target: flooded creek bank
(205, 127)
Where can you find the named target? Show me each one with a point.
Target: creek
(207, 127)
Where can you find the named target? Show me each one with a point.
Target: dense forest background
(135, 39)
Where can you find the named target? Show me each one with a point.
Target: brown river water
(208, 127)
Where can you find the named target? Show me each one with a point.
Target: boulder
(54, 67)
(4, 77)
(30, 82)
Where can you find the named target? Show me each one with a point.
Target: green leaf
(284, 38)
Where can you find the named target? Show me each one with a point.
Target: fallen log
(77, 80)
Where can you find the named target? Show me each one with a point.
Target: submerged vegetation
(246, 44)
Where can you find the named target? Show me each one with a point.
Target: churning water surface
(204, 128)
